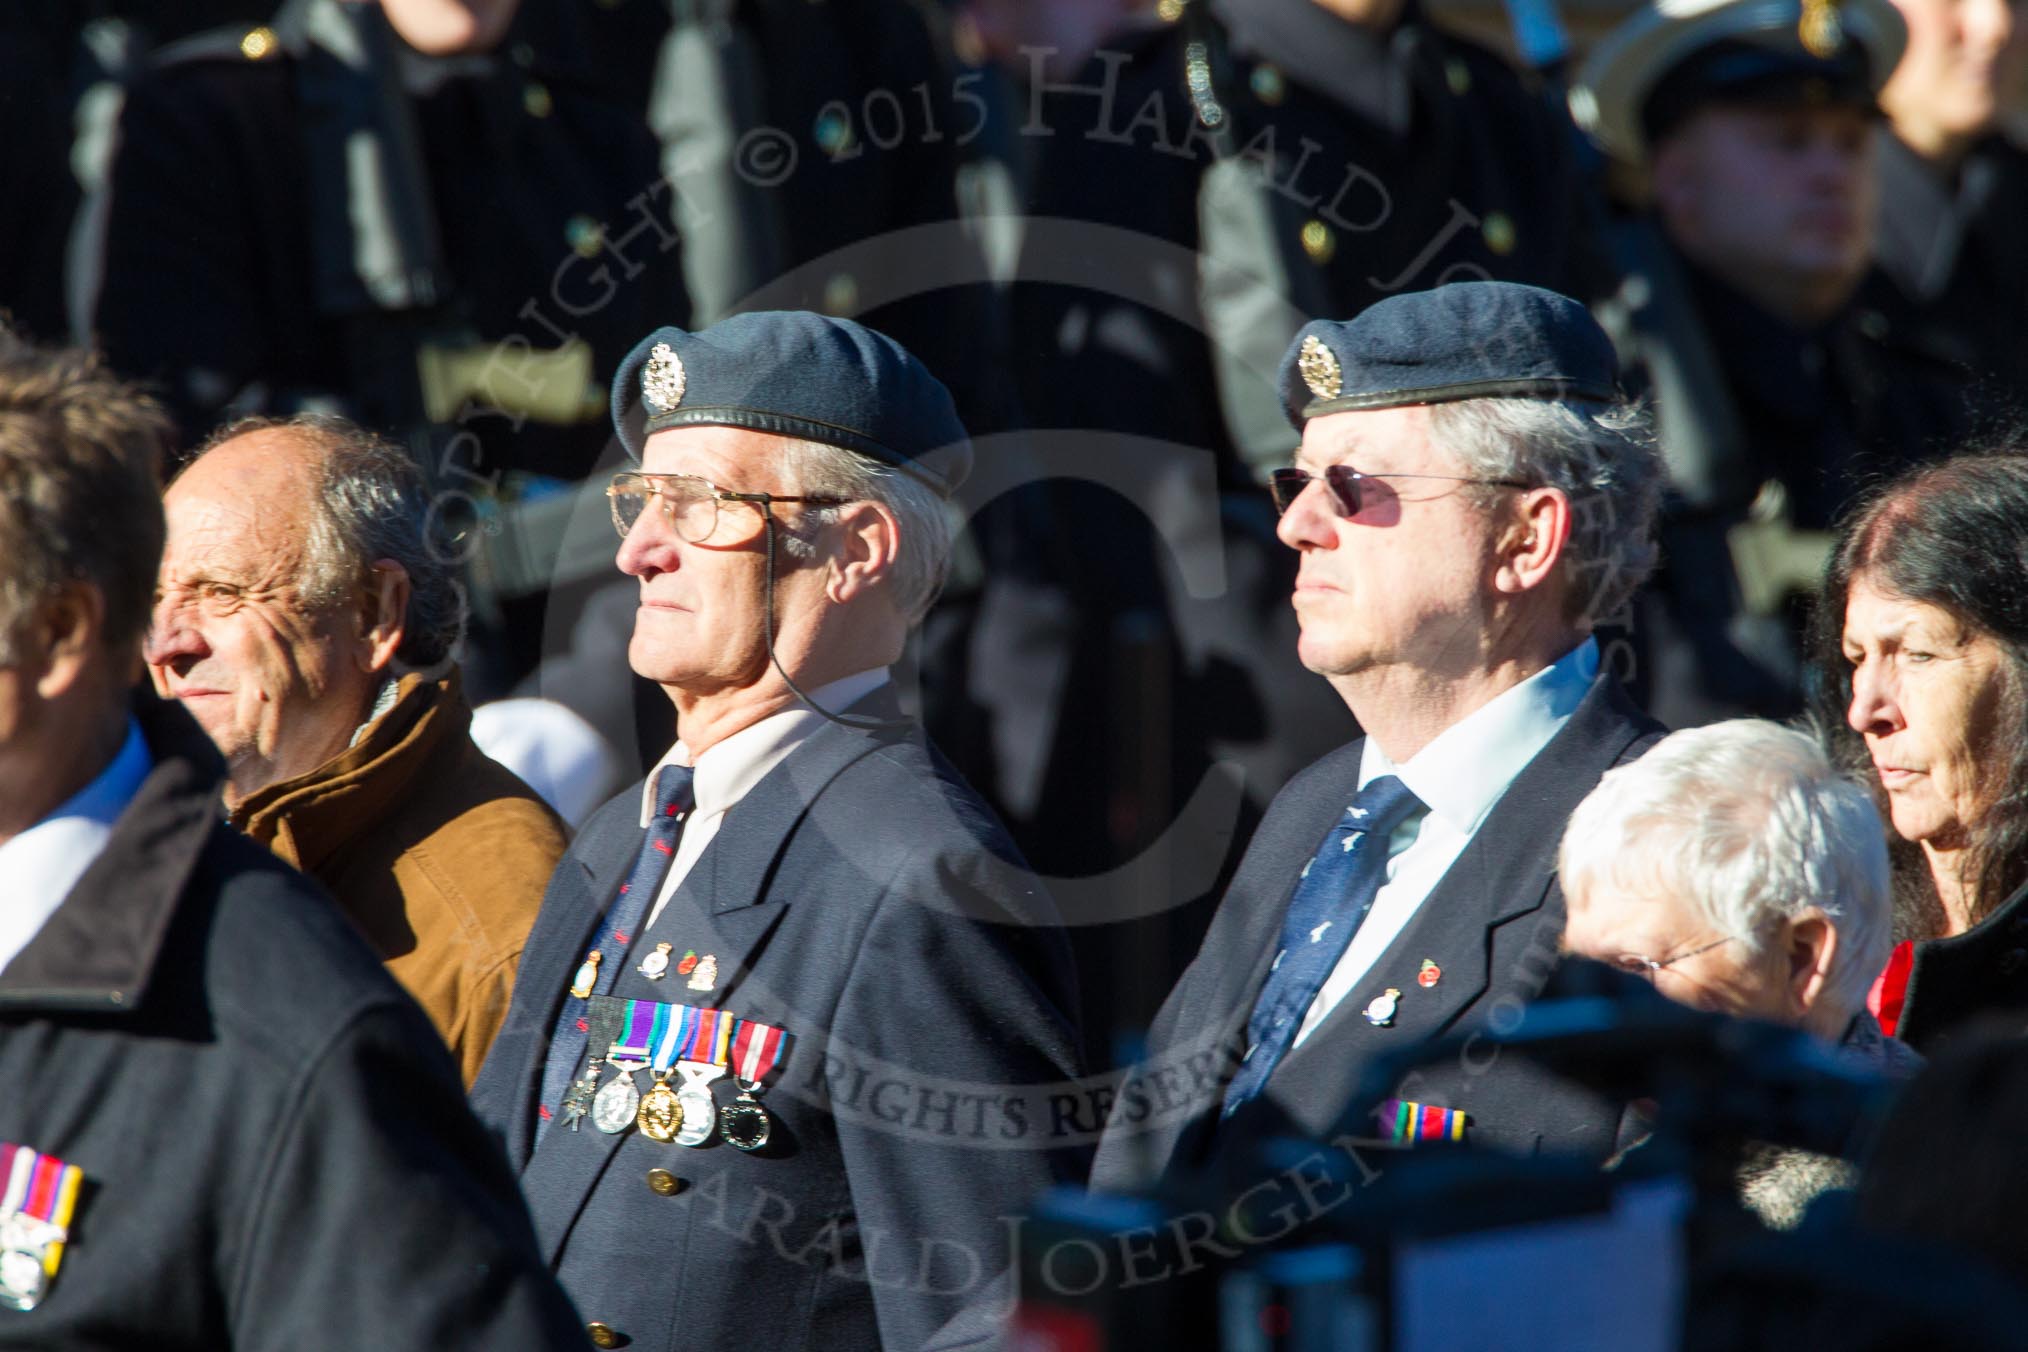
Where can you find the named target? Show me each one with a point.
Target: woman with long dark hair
(1922, 640)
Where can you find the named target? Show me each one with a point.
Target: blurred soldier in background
(1212, 178)
(37, 192)
(399, 212)
(1776, 397)
(1952, 254)
(483, 259)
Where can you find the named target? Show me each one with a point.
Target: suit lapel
(1503, 875)
(1287, 844)
(586, 880)
(721, 908)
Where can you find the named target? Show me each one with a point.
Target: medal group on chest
(668, 1041)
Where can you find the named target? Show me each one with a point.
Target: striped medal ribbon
(35, 1211)
(757, 1048)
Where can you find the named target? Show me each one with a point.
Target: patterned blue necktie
(615, 934)
(1329, 905)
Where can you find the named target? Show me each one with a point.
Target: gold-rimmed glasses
(690, 504)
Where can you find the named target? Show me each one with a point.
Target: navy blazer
(1492, 925)
(862, 897)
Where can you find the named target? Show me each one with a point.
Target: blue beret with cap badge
(795, 374)
(1467, 340)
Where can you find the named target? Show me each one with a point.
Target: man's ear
(1534, 542)
(383, 614)
(63, 632)
(869, 537)
(1811, 950)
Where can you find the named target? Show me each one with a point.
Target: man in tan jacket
(306, 621)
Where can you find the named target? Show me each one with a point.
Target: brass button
(1268, 85)
(1458, 76)
(841, 294)
(663, 1183)
(834, 134)
(1169, 11)
(259, 44)
(1499, 230)
(535, 97)
(602, 1335)
(1318, 242)
(584, 236)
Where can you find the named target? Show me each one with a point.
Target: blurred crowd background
(1099, 223)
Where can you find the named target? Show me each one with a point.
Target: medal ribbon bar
(44, 1189)
(639, 1042)
(757, 1048)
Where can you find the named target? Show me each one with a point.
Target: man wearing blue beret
(1470, 497)
(778, 1068)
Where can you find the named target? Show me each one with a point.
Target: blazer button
(663, 1184)
(603, 1335)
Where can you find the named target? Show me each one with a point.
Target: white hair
(924, 551)
(1602, 457)
(1748, 823)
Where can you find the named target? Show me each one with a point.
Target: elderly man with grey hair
(1736, 868)
(1470, 498)
(1740, 871)
(306, 619)
(797, 980)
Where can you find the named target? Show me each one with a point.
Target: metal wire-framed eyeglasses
(1342, 482)
(690, 503)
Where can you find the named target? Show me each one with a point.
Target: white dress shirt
(43, 863)
(1458, 777)
(730, 769)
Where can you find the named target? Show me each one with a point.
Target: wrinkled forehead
(729, 456)
(1374, 440)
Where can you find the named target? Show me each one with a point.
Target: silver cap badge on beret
(1320, 368)
(662, 379)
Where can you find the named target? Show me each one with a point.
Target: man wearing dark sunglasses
(776, 1071)
(1469, 499)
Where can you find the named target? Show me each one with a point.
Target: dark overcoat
(1957, 982)
(275, 1146)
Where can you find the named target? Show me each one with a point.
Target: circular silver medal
(700, 1115)
(614, 1109)
(746, 1123)
(21, 1279)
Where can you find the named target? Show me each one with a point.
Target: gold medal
(661, 1112)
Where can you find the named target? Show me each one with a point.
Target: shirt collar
(729, 769)
(106, 797)
(1464, 771)
(43, 863)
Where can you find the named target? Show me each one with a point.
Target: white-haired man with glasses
(777, 1071)
(1736, 868)
(1740, 871)
(1470, 497)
